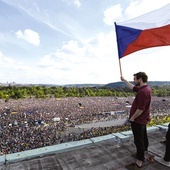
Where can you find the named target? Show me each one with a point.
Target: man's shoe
(162, 161)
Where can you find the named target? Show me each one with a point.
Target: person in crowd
(166, 159)
(140, 114)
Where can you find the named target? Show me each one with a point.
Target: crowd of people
(29, 123)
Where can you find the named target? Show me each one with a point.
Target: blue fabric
(125, 36)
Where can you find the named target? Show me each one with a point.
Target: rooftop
(110, 152)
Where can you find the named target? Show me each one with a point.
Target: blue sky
(73, 42)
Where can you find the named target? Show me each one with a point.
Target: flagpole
(120, 67)
(118, 50)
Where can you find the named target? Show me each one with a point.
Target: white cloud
(30, 36)
(83, 63)
(141, 7)
(4, 60)
(134, 9)
(1, 54)
(112, 14)
(77, 3)
(154, 61)
(74, 2)
(65, 58)
(8, 62)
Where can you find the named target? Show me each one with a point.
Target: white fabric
(153, 19)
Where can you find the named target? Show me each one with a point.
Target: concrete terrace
(110, 152)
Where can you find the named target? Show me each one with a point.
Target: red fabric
(150, 38)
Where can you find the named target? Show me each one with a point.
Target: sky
(73, 42)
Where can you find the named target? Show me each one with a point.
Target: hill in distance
(109, 85)
(118, 84)
(150, 83)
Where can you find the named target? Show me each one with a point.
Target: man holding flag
(140, 115)
(146, 31)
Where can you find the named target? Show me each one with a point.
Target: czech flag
(149, 30)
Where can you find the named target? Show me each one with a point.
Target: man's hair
(141, 75)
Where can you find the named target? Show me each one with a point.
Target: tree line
(19, 92)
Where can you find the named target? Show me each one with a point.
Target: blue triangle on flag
(125, 36)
